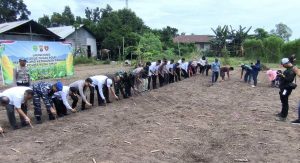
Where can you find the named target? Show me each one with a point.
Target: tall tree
(88, 13)
(283, 31)
(45, 21)
(68, 16)
(237, 39)
(78, 20)
(106, 11)
(57, 19)
(13, 10)
(219, 42)
(261, 33)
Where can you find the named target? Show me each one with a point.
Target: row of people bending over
(55, 95)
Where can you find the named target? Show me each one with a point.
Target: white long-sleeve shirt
(15, 95)
(184, 66)
(99, 81)
(64, 96)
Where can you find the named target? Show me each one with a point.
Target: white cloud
(190, 16)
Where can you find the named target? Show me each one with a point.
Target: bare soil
(188, 121)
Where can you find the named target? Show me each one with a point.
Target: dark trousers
(10, 110)
(171, 78)
(185, 74)
(166, 78)
(105, 93)
(207, 68)
(285, 102)
(254, 77)
(149, 82)
(61, 109)
(202, 69)
(154, 77)
(215, 76)
(119, 89)
(178, 78)
(161, 80)
(75, 98)
(23, 84)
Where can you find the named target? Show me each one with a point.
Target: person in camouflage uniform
(118, 83)
(45, 91)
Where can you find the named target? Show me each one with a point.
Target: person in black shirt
(286, 87)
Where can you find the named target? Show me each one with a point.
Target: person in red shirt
(224, 70)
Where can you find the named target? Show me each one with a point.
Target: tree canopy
(13, 10)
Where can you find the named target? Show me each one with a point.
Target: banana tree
(219, 42)
(238, 37)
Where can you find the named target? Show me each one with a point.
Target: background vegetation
(141, 42)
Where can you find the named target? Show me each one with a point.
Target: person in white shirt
(15, 99)
(103, 86)
(153, 69)
(202, 64)
(1, 130)
(184, 68)
(60, 100)
(170, 67)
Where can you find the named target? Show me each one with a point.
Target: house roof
(8, 26)
(66, 31)
(193, 38)
(24, 28)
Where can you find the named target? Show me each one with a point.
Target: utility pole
(178, 48)
(123, 48)
(127, 4)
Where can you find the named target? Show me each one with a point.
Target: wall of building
(24, 38)
(83, 39)
(203, 46)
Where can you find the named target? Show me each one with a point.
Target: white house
(202, 42)
(81, 38)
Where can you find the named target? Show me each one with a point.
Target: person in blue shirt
(255, 70)
(215, 68)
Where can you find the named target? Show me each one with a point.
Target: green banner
(44, 59)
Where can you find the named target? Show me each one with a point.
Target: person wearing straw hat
(15, 99)
(21, 73)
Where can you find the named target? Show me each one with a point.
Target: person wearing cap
(286, 87)
(45, 91)
(81, 86)
(60, 100)
(103, 86)
(21, 74)
(15, 99)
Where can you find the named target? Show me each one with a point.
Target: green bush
(226, 57)
(272, 49)
(292, 47)
(107, 62)
(254, 49)
(84, 60)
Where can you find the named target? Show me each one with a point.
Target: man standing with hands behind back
(21, 74)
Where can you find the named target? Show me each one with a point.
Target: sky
(189, 16)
